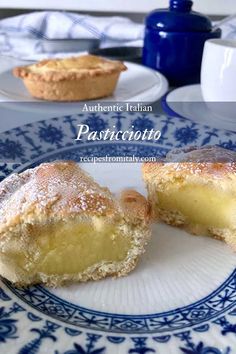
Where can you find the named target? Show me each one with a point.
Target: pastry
(195, 188)
(57, 225)
(72, 79)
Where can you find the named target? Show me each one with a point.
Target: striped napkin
(23, 36)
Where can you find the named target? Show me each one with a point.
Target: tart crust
(71, 79)
(198, 170)
(60, 193)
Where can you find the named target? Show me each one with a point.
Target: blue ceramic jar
(174, 41)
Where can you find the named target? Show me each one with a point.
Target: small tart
(195, 188)
(57, 225)
(71, 79)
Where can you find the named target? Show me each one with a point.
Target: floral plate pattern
(34, 320)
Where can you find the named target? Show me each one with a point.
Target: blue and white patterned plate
(180, 299)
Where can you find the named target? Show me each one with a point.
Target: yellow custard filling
(201, 205)
(72, 247)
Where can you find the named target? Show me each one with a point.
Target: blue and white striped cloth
(21, 36)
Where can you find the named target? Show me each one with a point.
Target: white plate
(181, 298)
(137, 84)
(187, 101)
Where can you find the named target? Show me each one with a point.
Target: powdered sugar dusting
(60, 188)
(210, 159)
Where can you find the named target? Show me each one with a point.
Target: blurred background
(134, 9)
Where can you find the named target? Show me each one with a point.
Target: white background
(213, 7)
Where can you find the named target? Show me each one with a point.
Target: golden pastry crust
(60, 188)
(135, 206)
(61, 192)
(71, 79)
(75, 68)
(209, 166)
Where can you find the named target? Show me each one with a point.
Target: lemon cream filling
(200, 204)
(72, 247)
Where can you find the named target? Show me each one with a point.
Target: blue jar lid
(179, 17)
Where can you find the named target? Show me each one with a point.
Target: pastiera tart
(57, 224)
(195, 189)
(72, 79)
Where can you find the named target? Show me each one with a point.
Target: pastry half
(195, 188)
(72, 79)
(57, 224)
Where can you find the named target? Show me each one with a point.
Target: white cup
(218, 73)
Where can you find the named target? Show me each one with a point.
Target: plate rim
(116, 341)
(56, 119)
